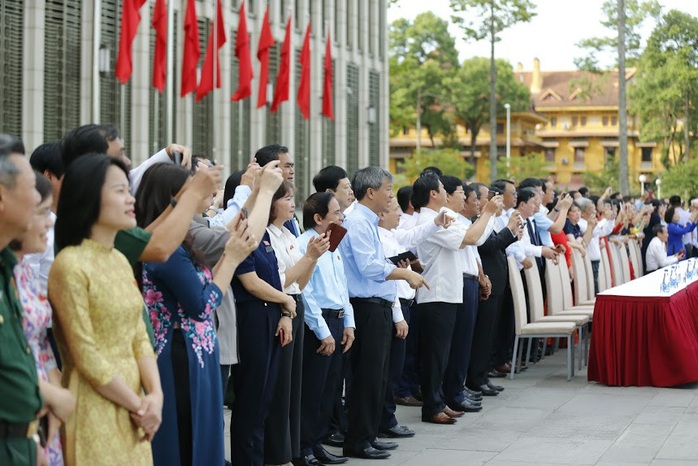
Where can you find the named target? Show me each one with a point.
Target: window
(202, 118)
(583, 121)
(550, 155)
(604, 121)
(579, 158)
(610, 153)
(62, 67)
(302, 146)
(273, 125)
(374, 146)
(553, 122)
(646, 155)
(614, 121)
(500, 128)
(575, 120)
(352, 119)
(405, 130)
(329, 153)
(11, 44)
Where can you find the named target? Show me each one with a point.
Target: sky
(550, 36)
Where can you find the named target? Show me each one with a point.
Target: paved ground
(542, 419)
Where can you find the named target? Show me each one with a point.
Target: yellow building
(575, 130)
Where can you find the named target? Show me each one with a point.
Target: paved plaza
(542, 419)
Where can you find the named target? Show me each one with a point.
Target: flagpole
(215, 75)
(169, 78)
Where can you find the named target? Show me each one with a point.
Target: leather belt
(406, 302)
(379, 301)
(470, 276)
(21, 429)
(338, 313)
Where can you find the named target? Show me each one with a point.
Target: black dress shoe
(474, 401)
(472, 394)
(335, 440)
(326, 457)
(495, 374)
(397, 432)
(368, 453)
(499, 388)
(307, 460)
(383, 445)
(487, 391)
(466, 407)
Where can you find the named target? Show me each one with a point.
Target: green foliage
(599, 50)
(422, 55)
(598, 182)
(448, 160)
(527, 166)
(485, 19)
(682, 178)
(666, 87)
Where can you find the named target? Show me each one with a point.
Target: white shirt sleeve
(136, 174)
(397, 312)
(242, 193)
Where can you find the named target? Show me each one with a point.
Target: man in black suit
(494, 264)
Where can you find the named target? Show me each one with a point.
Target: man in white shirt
(439, 256)
(334, 179)
(656, 256)
(408, 217)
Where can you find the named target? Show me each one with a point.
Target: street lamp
(658, 182)
(642, 178)
(508, 108)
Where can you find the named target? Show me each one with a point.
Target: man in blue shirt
(329, 318)
(372, 294)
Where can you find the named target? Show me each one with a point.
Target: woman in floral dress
(181, 295)
(37, 314)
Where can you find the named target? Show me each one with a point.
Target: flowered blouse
(182, 292)
(37, 318)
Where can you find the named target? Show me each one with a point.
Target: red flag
(206, 82)
(282, 84)
(192, 49)
(242, 52)
(266, 41)
(304, 85)
(130, 18)
(327, 109)
(159, 22)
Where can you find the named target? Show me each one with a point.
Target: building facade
(574, 124)
(57, 61)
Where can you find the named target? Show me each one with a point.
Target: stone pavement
(541, 419)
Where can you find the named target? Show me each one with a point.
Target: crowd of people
(136, 303)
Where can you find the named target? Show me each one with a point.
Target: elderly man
(656, 256)
(372, 295)
(20, 398)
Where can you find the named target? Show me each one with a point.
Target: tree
(624, 17)
(448, 160)
(492, 17)
(469, 94)
(665, 93)
(422, 55)
(682, 179)
(527, 166)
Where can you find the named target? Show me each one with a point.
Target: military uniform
(20, 399)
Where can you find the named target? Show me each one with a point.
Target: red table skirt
(645, 341)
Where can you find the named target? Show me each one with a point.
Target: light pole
(658, 182)
(508, 109)
(642, 178)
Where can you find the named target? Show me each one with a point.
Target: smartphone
(177, 156)
(407, 255)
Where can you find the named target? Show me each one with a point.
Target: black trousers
(408, 385)
(254, 379)
(369, 371)
(282, 432)
(484, 340)
(436, 320)
(461, 344)
(180, 373)
(321, 376)
(398, 348)
(504, 331)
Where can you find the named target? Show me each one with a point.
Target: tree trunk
(473, 146)
(493, 101)
(622, 106)
(685, 129)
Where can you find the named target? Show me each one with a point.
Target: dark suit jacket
(494, 259)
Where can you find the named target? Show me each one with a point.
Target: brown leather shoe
(407, 401)
(504, 368)
(452, 413)
(439, 418)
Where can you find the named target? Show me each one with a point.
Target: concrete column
(340, 76)
(33, 74)
(140, 89)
